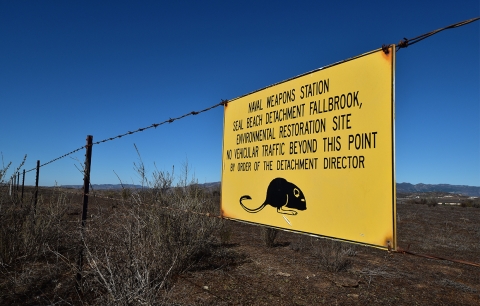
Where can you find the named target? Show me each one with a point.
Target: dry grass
(269, 234)
(334, 256)
(133, 251)
(144, 248)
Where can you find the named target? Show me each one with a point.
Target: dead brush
(126, 265)
(269, 234)
(334, 256)
(27, 239)
(135, 254)
(25, 230)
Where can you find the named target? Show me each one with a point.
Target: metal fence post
(86, 189)
(18, 183)
(36, 189)
(23, 184)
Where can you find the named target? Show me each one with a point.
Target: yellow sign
(315, 153)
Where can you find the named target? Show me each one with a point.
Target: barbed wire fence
(14, 181)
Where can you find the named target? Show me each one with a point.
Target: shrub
(333, 255)
(432, 202)
(26, 232)
(269, 234)
(159, 232)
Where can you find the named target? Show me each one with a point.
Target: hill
(471, 191)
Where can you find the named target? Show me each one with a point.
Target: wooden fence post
(86, 189)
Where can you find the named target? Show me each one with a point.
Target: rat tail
(254, 210)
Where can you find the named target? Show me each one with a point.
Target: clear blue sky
(73, 68)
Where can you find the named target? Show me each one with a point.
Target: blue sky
(73, 68)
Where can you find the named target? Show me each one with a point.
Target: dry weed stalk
(269, 234)
(333, 255)
(135, 254)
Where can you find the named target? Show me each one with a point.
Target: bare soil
(244, 271)
(289, 273)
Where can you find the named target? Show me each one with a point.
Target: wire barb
(155, 125)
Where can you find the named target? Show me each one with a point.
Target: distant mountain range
(471, 191)
(104, 186)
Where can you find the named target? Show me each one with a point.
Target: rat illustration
(280, 194)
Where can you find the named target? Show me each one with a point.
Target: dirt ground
(244, 271)
(289, 273)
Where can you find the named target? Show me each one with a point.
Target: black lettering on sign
(281, 98)
(297, 164)
(254, 121)
(302, 128)
(335, 103)
(270, 101)
(259, 135)
(273, 149)
(341, 122)
(332, 143)
(362, 141)
(255, 106)
(343, 101)
(344, 162)
(237, 125)
(248, 152)
(285, 114)
(303, 146)
(247, 166)
(268, 165)
(316, 88)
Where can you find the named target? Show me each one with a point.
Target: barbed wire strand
(407, 251)
(405, 42)
(399, 250)
(154, 125)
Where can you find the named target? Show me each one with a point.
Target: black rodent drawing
(280, 194)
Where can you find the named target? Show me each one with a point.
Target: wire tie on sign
(385, 49)
(403, 43)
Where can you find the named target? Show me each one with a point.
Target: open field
(136, 252)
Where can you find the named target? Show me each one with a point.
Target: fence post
(18, 183)
(23, 184)
(36, 190)
(86, 189)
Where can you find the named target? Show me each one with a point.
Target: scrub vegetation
(163, 245)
